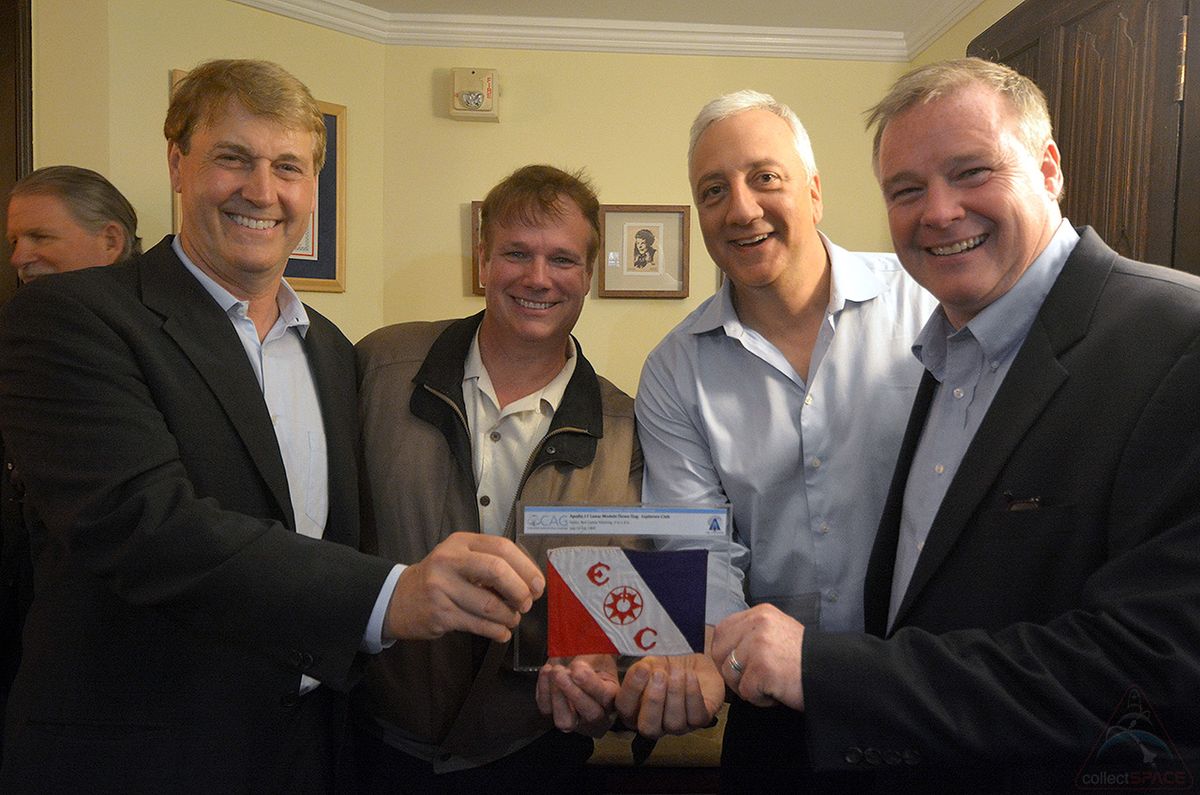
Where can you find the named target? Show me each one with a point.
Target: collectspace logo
(623, 605)
(1134, 752)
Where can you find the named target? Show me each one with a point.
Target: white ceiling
(881, 30)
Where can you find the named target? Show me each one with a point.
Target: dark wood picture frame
(644, 250)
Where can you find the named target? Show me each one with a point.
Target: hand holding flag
(470, 583)
(670, 695)
(579, 693)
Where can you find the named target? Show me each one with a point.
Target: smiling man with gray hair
(784, 394)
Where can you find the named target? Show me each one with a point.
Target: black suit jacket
(174, 607)
(1060, 581)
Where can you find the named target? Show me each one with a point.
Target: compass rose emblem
(623, 605)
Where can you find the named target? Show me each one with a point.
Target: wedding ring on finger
(734, 665)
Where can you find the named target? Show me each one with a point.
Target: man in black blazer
(186, 431)
(1033, 595)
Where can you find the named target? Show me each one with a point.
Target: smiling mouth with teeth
(957, 248)
(533, 304)
(252, 223)
(751, 241)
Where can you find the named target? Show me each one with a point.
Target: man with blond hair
(1031, 600)
(186, 430)
(462, 420)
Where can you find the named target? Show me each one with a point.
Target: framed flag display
(609, 600)
(629, 581)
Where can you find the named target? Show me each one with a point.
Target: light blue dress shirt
(969, 364)
(723, 417)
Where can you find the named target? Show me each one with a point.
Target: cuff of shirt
(373, 642)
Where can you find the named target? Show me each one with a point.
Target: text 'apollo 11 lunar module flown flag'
(609, 600)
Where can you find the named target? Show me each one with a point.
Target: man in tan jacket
(461, 420)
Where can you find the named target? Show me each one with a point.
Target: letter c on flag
(641, 641)
(598, 573)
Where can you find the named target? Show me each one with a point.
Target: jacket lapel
(1036, 375)
(878, 588)
(336, 393)
(206, 337)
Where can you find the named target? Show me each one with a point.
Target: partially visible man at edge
(186, 430)
(58, 218)
(461, 420)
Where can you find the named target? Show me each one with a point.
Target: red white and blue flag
(609, 600)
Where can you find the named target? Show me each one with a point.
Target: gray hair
(943, 78)
(737, 102)
(91, 199)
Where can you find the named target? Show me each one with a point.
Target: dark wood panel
(16, 133)
(1108, 69)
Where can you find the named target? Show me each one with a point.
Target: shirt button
(494, 436)
(823, 529)
(938, 468)
(485, 501)
(808, 400)
(958, 393)
(816, 463)
(832, 596)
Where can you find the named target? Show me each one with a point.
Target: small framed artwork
(644, 250)
(318, 263)
(476, 219)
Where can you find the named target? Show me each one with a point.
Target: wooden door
(1129, 135)
(16, 139)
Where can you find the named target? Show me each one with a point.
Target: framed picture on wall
(644, 250)
(476, 219)
(318, 263)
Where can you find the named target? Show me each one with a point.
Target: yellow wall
(953, 43)
(100, 92)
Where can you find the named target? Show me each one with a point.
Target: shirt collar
(291, 308)
(850, 280)
(552, 393)
(1002, 325)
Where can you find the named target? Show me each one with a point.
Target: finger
(518, 562)
(598, 687)
(542, 691)
(674, 717)
(565, 718)
(654, 700)
(629, 698)
(482, 603)
(698, 712)
(493, 574)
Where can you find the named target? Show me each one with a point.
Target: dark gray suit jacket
(174, 607)
(1061, 576)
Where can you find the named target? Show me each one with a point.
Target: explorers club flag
(608, 600)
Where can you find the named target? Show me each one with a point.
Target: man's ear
(1052, 169)
(112, 242)
(174, 156)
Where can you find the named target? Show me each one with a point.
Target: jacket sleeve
(104, 473)
(1044, 692)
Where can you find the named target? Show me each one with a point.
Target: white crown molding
(941, 17)
(592, 35)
